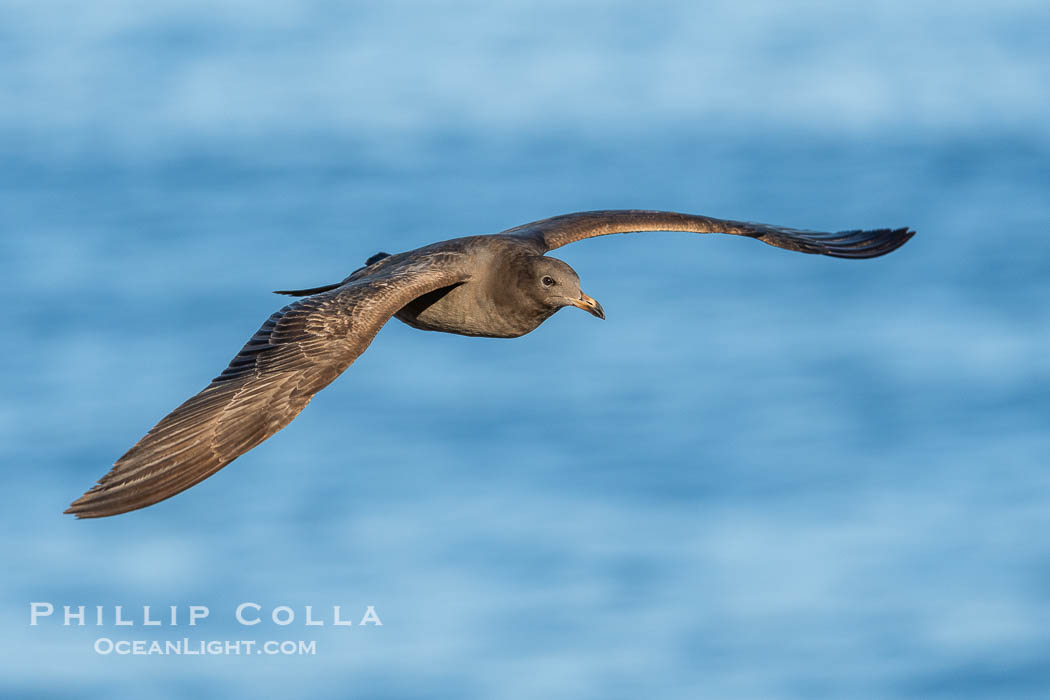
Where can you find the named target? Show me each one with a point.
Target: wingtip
(82, 510)
(897, 238)
(78, 507)
(91, 505)
(873, 243)
(74, 511)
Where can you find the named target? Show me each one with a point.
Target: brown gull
(498, 286)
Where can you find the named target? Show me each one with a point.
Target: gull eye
(548, 281)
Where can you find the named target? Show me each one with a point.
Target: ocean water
(766, 475)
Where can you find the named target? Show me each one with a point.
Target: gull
(502, 285)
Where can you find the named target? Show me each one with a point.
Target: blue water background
(766, 475)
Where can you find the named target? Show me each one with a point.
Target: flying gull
(497, 286)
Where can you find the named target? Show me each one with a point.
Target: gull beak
(589, 305)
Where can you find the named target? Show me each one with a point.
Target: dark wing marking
(561, 230)
(295, 354)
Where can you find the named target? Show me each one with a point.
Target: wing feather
(297, 352)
